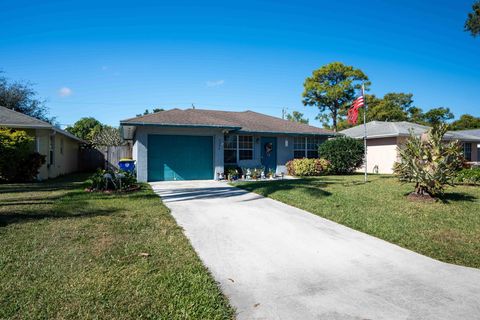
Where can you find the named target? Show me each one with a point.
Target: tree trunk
(334, 117)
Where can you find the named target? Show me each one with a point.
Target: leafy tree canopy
(392, 107)
(465, 122)
(154, 110)
(331, 88)
(297, 116)
(437, 115)
(108, 136)
(85, 128)
(472, 24)
(21, 97)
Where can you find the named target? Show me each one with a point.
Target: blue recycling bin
(127, 165)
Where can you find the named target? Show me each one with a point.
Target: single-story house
(60, 147)
(384, 137)
(196, 144)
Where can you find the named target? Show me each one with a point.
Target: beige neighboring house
(383, 138)
(60, 147)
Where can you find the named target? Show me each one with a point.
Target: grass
(447, 230)
(69, 254)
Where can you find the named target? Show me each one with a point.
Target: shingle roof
(471, 132)
(384, 129)
(246, 121)
(14, 119)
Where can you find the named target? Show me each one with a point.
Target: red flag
(352, 113)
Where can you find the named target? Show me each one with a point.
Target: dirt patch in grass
(421, 197)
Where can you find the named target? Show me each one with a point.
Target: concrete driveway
(274, 261)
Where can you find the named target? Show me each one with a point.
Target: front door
(269, 153)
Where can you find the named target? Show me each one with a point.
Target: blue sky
(113, 59)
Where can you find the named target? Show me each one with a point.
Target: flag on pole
(352, 114)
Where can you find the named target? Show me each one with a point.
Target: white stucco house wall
(384, 138)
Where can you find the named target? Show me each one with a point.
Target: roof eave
(289, 133)
(179, 125)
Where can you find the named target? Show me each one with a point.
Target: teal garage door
(180, 157)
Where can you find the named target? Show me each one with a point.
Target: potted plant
(271, 174)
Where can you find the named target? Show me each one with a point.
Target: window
(245, 147)
(237, 148)
(312, 147)
(467, 151)
(61, 146)
(230, 149)
(306, 147)
(51, 160)
(299, 147)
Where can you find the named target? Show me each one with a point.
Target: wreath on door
(268, 148)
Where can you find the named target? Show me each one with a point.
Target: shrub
(117, 180)
(307, 167)
(18, 162)
(468, 176)
(345, 154)
(429, 162)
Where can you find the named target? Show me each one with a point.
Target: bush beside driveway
(66, 253)
(447, 230)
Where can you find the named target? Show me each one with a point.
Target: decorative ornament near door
(268, 149)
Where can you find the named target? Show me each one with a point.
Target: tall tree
(331, 88)
(465, 122)
(392, 107)
(21, 97)
(85, 128)
(436, 116)
(472, 24)
(297, 116)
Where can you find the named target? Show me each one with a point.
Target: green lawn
(448, 230)
(68, 254)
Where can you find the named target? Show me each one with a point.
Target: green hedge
(468, 176)
(345, 154)
(307, 167)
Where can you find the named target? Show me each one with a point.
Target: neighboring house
(195, 144)
(474, 133)
(60, 147)
(383, 138)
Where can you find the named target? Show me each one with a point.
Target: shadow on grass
(448, 197)
(35, 203)
(68, 182)
(312, 187)
(32, 215)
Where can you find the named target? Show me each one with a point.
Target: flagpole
(365, 127)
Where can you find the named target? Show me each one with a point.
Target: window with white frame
(299, 147)
(306, 147)
(312, 147)
(245, 147)
(467, 151)
(236, 148)
(230, 149)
